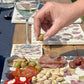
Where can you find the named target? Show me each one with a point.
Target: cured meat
(28, 71)
(54, 66)
(72, 64)
(52, 62)
(82, 62)
(82, 66)
(78, 60)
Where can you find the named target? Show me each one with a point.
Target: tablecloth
(6, 36)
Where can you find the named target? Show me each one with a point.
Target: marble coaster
(70, 35)
(24, 50)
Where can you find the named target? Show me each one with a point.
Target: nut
(52, 71)
(40, 82)
(40, 75)
(50, 78)
(57, 71)
(34, 79)
(40, 79)
(63, 69)
(44, 77)
(54, 77)
(61, 73)
(44, 71)
(54, 82)
(59, 79)
(47, 82)
(48, 74)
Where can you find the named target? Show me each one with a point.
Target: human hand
(52, 17)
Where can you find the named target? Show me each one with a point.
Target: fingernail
(46, 38)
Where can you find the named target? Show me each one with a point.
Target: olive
(32, 63)
(38, 67)
(41, 37)
(23, 64)
(81, 78)
(17, 64)
(27, 62)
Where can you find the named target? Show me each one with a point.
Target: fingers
(53, 30)
(38, 19)
(37, 26)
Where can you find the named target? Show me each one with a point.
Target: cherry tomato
(11, 81)
(23, 80)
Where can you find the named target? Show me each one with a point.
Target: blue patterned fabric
(6, 37)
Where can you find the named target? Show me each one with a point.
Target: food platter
(75, 73)
(6, 70)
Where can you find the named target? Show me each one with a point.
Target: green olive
(17, 64)
(27, 62)
(38, 67)
(32, 63)
(81, 78)
(23, 64)
(41, 37)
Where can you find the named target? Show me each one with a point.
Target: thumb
(53, 30)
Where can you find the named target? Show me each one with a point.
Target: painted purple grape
(75, 28)
(65, 39)
(23, 18)
(58, 36)
(53, 39)
(79, 37)
(75, 32)
(66, 34)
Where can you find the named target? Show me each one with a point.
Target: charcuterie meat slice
(52, 62)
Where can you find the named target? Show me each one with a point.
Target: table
(68, 50)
